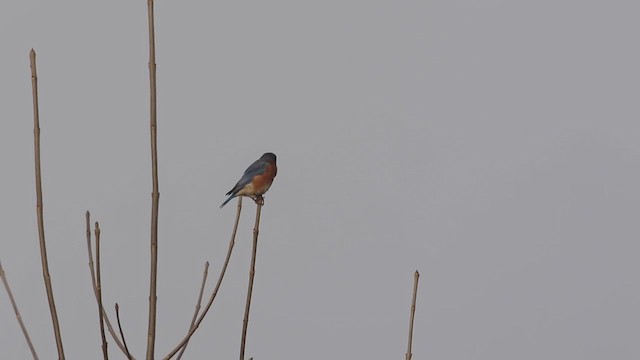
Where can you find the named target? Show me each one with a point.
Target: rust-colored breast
(262, 183)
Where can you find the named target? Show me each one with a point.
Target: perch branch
(252, 272)
(215, 290)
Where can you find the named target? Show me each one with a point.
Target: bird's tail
(226, 201)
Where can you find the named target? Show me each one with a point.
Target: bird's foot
(258, 199)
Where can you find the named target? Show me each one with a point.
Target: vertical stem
(416, 276)
(15, 310)
(155, 196)
(105, 353)
(43, 246)
(252, 272)
(95, 288)
(126, 348)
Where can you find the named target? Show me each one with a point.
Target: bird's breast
(260, 183)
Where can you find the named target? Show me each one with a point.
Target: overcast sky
(492, 145)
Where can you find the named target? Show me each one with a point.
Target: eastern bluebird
(256, 180)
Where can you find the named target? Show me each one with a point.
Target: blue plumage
(258, 168)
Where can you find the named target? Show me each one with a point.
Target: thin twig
(114, 336)
(15, 310)
(155, 195)
(105, 352)
(215, 290)
(198, 303)
(252, 272)
(126, 348)
(43, 246)
(416, 276)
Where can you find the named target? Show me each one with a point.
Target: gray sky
(493, 145)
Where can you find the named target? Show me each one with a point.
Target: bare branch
(155, 195)
(416, 276)
(195, 313)
(252, 272)
(15, 310)
(43, 246)
(114, 336)
(105, 352)
(126, 348)
(215, 290)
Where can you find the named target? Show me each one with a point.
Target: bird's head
(270, 157)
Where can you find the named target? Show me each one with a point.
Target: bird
(256, 180)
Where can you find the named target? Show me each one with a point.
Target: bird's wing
(257, 168)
